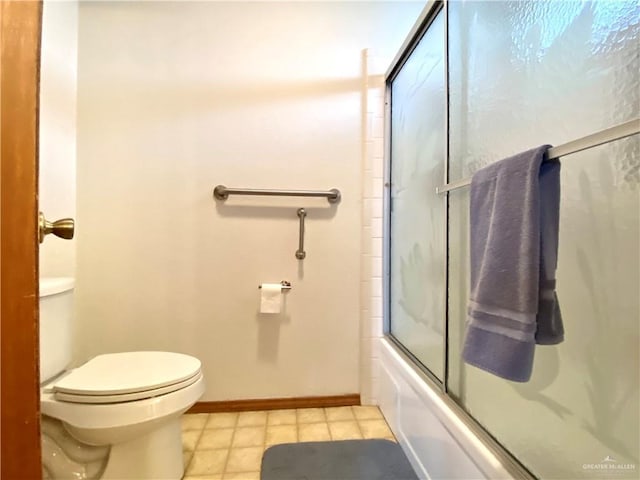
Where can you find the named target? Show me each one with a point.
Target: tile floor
(226, 446)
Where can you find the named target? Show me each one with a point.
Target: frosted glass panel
(525, 73)
(522, 74)
(417, 213)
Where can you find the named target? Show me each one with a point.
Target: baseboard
(275, 403)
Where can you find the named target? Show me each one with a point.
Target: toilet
(118, 415)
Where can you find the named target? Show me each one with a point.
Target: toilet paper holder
(285, 285)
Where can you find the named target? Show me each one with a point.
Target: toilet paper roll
(270, 298)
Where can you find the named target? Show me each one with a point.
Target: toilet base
(144, 437)
(156, 455)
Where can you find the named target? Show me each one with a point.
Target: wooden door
(20, 397)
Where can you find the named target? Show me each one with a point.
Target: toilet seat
(126, 377)
(126, 397)
(102, 424)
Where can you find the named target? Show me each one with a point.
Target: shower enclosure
(480, 81)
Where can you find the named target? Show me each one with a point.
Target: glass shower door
(524, 74)
(417, 286)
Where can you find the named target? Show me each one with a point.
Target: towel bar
(632, 127)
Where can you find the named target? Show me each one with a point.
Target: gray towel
(514, 243)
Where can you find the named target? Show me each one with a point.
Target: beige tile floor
(226, 446)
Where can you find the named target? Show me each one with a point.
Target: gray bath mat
(348, 459)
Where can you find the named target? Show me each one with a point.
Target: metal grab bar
(300, 253)
(220, 192)
(618, 132)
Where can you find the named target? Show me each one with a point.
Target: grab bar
(220, 192)
(300, 253)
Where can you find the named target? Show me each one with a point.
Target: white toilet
(118, 415)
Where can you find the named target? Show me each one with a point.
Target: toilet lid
(127, 397)
(129, 372)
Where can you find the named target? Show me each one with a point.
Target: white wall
(176, 98)
(58, 91)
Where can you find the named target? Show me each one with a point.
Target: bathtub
(436, 440)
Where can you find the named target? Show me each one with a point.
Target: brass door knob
(62, 228)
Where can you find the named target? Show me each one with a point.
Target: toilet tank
(56, 324)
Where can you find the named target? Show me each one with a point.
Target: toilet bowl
(130, 402)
